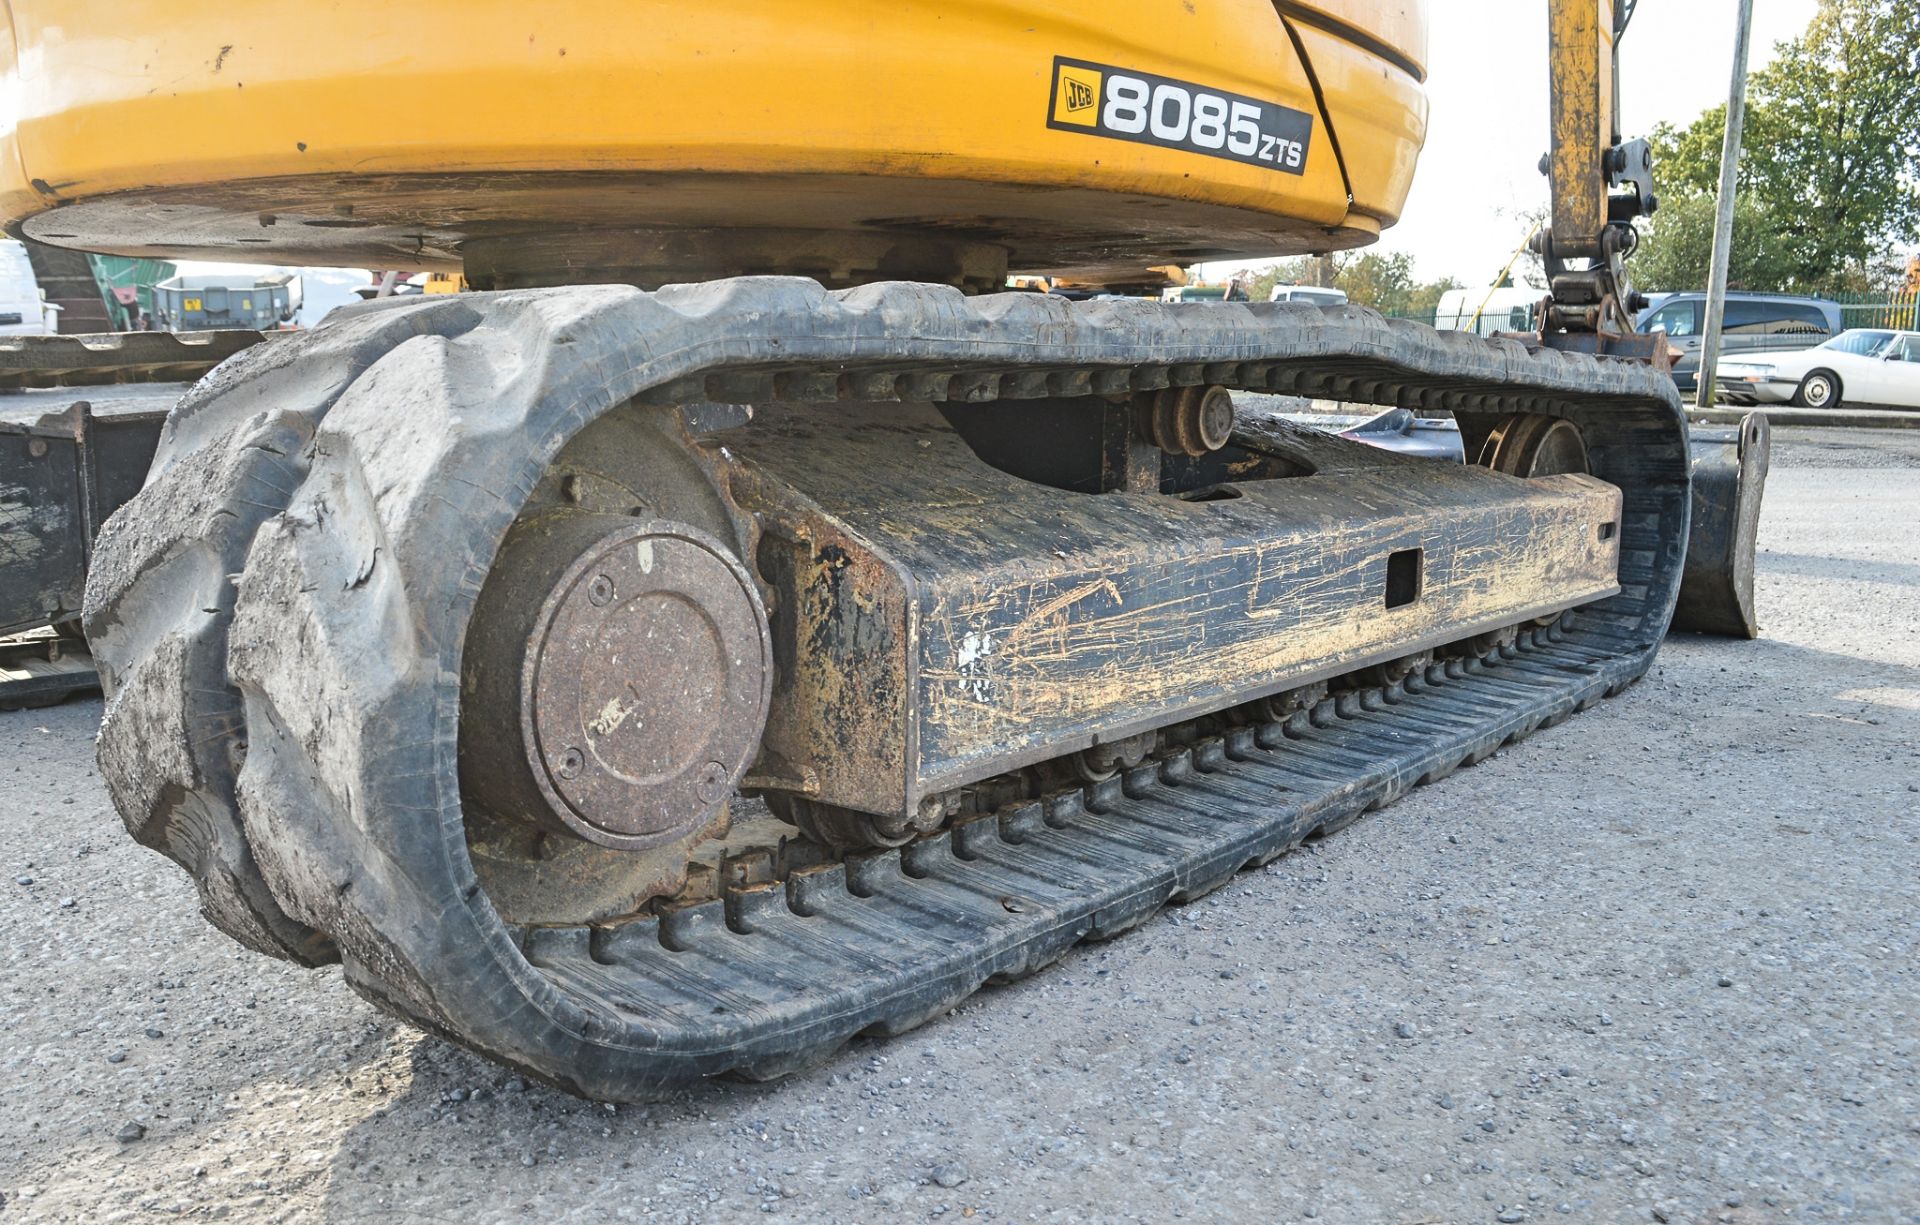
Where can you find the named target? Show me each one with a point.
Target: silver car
(1754, 323)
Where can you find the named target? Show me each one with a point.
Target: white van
(1510, 309)
(1312, 295)
(23, 312)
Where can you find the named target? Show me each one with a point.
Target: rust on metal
(1729, 476)
(1533, 444)
(645, 684)
(118, 357)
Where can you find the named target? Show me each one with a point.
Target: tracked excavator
(738, 628)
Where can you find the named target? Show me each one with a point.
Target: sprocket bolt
(571, 762)
(600, 590)
(712, 783)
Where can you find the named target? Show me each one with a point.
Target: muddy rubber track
(291, 737)
(159, 603)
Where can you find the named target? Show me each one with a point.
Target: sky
(1488, 106)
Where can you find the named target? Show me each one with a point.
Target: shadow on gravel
(1815, 683)
(534, 1147)
(463, 1130)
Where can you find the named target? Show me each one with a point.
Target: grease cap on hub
(645, 685)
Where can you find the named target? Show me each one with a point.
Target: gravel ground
(1655, 964)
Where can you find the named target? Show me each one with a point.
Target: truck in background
(1232, 291)
(24, 310)
(1312, 295)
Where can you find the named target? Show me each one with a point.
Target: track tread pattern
(290, 736)
(159, 601)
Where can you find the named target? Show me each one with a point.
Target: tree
(1827, 181)
(1686, 161)
(1424, 300)
(1837, 137)
(1384, 282)
(1676, 251)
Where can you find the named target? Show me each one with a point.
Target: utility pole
(1723, 212)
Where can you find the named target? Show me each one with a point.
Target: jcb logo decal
(1148, 109)
(1076, 96)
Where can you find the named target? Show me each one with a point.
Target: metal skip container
(211, 302)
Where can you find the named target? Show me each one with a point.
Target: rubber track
(773, 978)
(158, 604)
(338, 679)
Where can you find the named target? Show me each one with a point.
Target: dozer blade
(68, 459)
(417, 733)
(1729, 477)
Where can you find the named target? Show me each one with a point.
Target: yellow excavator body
(383, 135)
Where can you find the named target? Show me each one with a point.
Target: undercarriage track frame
(316, 829)
(63, 470)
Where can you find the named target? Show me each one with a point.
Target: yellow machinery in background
(739, 631)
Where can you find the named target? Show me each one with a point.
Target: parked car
(1754, 323)
(1204, 293)
(1865, 365)
(1312, 295)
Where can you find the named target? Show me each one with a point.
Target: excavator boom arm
(1599, 183)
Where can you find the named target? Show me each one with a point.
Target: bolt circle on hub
(645, 685)
(644, 671)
